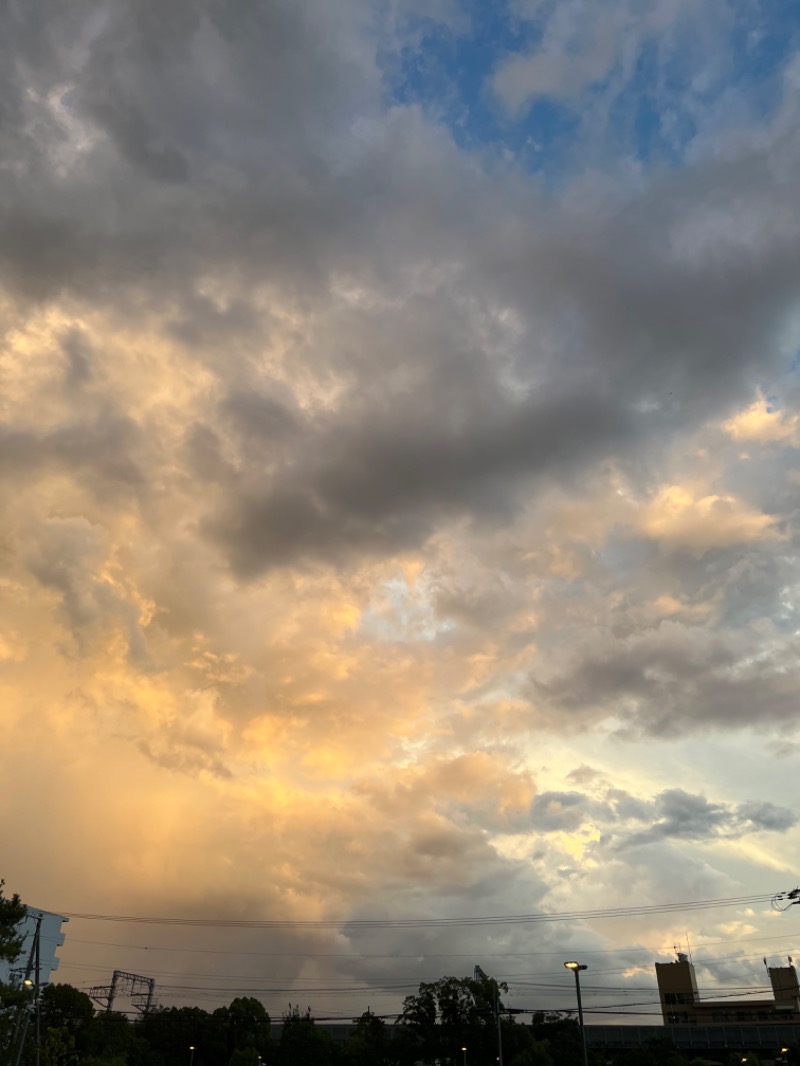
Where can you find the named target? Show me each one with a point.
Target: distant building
(681, 1003)
(50, 940)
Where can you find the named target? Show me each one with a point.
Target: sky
(399, 423)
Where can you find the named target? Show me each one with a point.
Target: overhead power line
(406, 923)
(183, 950)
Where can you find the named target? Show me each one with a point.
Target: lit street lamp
(576, 968)
(191, 1054)
(464, 1050)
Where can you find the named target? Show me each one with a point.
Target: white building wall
(50, 940)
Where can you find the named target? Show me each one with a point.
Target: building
(51, 938)
(681, 1003)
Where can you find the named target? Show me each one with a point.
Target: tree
(247, 1056)
(561, 1036)
(170, 1032)
(66, 1007)
(65, 1017)
(244, 1026)
(57, 1048)
(536, 1053)
(302, 1044)
(110, 1038)
(452, 1013)
(370, 1043)
(12, 912)
(12, 1000)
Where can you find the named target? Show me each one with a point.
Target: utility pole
(36, 989)
(24, 1016)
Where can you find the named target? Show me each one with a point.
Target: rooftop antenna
(689, 948)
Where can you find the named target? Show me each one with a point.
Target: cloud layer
(394, 528)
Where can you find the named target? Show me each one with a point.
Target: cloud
(676, 677)
(681, 815)
(580, 44)
(673, 814)
(675, 517)
(377, 527)
(762, 424)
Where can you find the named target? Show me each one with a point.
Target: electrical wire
(425, 954)
(406, 923)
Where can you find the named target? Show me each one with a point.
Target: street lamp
(576, 968)
(464, 1050)
(191, 1054)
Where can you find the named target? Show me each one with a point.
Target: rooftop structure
(681, 1003)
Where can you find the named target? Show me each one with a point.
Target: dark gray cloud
(105, 445)
(382, 485)
(676, 676)
(213, 150)
(680, 815)
(673, 814)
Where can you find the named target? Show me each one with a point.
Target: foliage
(302, 1044)
(537, 1053)
(560, 1036)
(12, 912)
(370, 1044)
(443, 1018)
(243, 1026)
(109, 1038)
(65, 1007)
(452, 1013)
(170, 1032)
(247, 1056)
(12, 1001)
(57, 1048)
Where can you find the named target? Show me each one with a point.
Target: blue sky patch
(645, 92)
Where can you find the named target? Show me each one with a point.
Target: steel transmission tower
(141, 990)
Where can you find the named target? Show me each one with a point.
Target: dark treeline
(437, 1024)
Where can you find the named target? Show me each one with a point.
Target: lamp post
(191, 1054)
(464, 1051)
(576, 968)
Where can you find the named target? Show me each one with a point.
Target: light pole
(191, 1054)
(464, 1050)
(576, 968)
